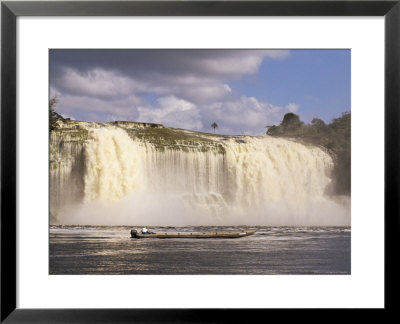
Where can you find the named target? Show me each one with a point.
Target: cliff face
(66, 164)
(140, 170)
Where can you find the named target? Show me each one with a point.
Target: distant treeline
(335, 137)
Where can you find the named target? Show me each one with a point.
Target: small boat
(192, 235)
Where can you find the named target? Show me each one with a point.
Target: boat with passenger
(193, 235)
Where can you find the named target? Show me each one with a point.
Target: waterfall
(252, 181)
(113, 165)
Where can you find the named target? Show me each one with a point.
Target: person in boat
(146, 231)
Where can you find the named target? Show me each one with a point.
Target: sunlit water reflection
(271, 250)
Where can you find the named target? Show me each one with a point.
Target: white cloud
(111, 73)
(292, 107)
(244, 114)
(97, 109)
(172, 112)
(97, 83)
(178, 88)
(205, 93)
(109, 85)
(238, 63)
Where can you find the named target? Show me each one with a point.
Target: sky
(241, 90)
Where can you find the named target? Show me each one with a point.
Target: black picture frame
(10, 10)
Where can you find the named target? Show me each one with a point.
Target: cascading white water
(113, 165)
(256, 181)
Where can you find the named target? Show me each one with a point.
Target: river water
(109, 250)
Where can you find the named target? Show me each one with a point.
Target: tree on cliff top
(53, 116)
(52, 102)
(291, 121)
(318, 122)
(214, 125)
(290, 124)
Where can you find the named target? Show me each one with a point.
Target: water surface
(109, 250)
